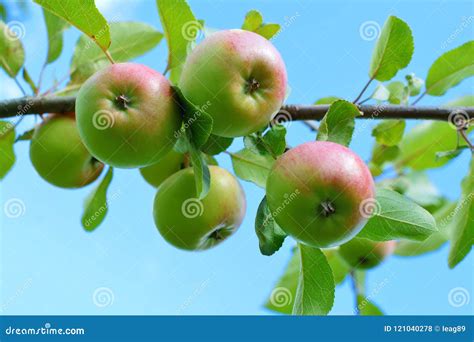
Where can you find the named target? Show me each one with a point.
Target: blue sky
(50, 265)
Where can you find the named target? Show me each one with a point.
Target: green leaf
(268, 30)
(27, 135)
(393, 50)
(315, 292)
(382, 154)
(251, 166)
(181, 28)
(367, 308)
(414, 84)
(340, 269)
(435, 240)
(450, 69)
(129, 40)
(270, 235)
(327, 100)
(381, 93)
(12, 55)
(202, 175)
(84, 15)
(253, 20)
(463, 101)
(394, 216)
(96, 204)
(7, 154)
(398, 93)
(274, 140)
(463, 221)
(338, 123)
(55, 27)
(3, 12)
(389, 132)
(27, 78)
(283, 295)
(216, 144)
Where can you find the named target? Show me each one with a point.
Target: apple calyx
(122, 101)
(252, 85)
(327, 208)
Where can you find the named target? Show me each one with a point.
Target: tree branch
(63, 104)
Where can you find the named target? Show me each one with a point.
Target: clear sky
(50, 265)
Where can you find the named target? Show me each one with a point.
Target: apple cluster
(129, 116)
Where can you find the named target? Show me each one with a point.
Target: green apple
(240, 79)
(171, 163)
(59, 156)
(364, 253)
(315, 192)
(192, 224)
(127, 115)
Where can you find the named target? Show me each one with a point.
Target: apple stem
(328, 208)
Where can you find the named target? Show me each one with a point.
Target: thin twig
(355, 290)
(310, 125)
(419, 98)
(363, 90)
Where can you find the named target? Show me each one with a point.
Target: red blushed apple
(242, 77)
(127, 115)
(315, 191)
(364, 254)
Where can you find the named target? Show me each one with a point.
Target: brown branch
(63, 104)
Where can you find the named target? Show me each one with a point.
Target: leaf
(414, 84)
(382, 154)
(463, 221)
(27, 135)
(434, 241)
(381, 93)
(338, 123)
(315, 292)
(216, 144)
(340, 269)
(129, 40)
(367, 308)
(450, 69)
(389, 132)
(253, 20)
(394, 216)
(84, 15)
(398, 93)
(55, 27)
(270, 235)
(251, 166)
(7, 154)
(96, 205)
(283, 295)
(275, 140)
(463, 101)
(268, 30)
(202, 175)
(12, 55)
(27, 78)
(327, 100)
(393, 50)
(181, 28)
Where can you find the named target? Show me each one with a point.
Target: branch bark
(58, 104)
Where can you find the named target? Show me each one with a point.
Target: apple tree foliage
(411, 211)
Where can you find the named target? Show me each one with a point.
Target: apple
(59, 156)
(171, 163)
(239, 76)
(192, 224)
(127, 115)
(315, 192)
(364, 253)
